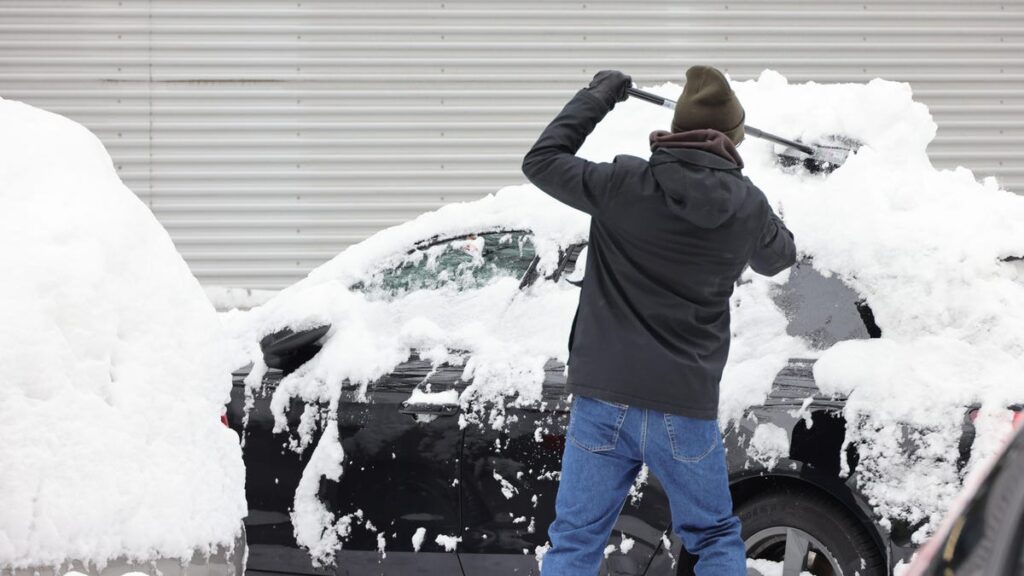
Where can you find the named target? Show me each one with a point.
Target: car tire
(830, 539)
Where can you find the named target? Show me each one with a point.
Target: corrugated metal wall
(268, 135)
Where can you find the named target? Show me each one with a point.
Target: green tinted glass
(462, 263)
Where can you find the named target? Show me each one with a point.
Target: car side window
(463, 263)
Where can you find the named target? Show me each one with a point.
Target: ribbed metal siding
(268, 135)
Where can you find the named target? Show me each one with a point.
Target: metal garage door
(268, 135)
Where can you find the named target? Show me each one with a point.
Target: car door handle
(430, 409)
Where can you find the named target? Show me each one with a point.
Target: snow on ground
(114, 377)
(922, 245)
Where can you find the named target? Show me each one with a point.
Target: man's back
(668, 240)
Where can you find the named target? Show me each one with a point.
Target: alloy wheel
(797, 550)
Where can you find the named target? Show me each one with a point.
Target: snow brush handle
(756, 133)
(652, 98)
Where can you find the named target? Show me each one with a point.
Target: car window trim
(437, 240)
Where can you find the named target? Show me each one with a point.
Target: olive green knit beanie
(708, 102)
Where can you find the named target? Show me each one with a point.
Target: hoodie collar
(722, 154)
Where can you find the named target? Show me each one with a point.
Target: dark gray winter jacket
(669, 238)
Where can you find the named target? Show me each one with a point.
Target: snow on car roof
(927, 248)
(114, 376)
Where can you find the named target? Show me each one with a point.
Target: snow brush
(815, 158)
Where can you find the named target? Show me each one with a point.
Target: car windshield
(462, 263)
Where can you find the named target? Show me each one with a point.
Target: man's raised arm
(552, 165)
(775, 249)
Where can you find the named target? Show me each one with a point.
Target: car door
(272, 473)
(510, 479)
(399, 487)
(402, 439)
(401, 462)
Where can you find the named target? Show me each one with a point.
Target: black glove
(610, 86)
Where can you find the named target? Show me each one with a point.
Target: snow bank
(923, 245)
(113, 375)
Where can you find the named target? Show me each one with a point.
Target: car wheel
(808, 532)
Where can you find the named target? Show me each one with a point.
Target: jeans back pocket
(594, 424)
(692, 439)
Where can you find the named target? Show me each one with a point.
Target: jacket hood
(700, 175)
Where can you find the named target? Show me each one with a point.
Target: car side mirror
(287, 349)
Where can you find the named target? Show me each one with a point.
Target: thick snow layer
(924, 246)
(113, 373)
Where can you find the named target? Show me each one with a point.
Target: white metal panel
(268, 135)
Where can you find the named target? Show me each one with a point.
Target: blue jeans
(606, 443)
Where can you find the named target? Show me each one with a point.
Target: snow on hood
(924, 246)
(113, 373)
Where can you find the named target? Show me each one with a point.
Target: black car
(411, 466)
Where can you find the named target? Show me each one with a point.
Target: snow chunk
(768, 444)
(636, 491)
(767, 568)
(315, 526)
(508, 490)
(449, 543)
(417, 538)
(627, 544)
(539, 551)
(445, 397)
(114, 371)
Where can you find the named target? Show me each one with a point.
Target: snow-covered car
(405, 408)
(113, 376)
(409, 461)
(410, 466)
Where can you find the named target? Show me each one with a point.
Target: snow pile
(922, 245)
(113, 375)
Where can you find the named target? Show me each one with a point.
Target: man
(669, 238)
